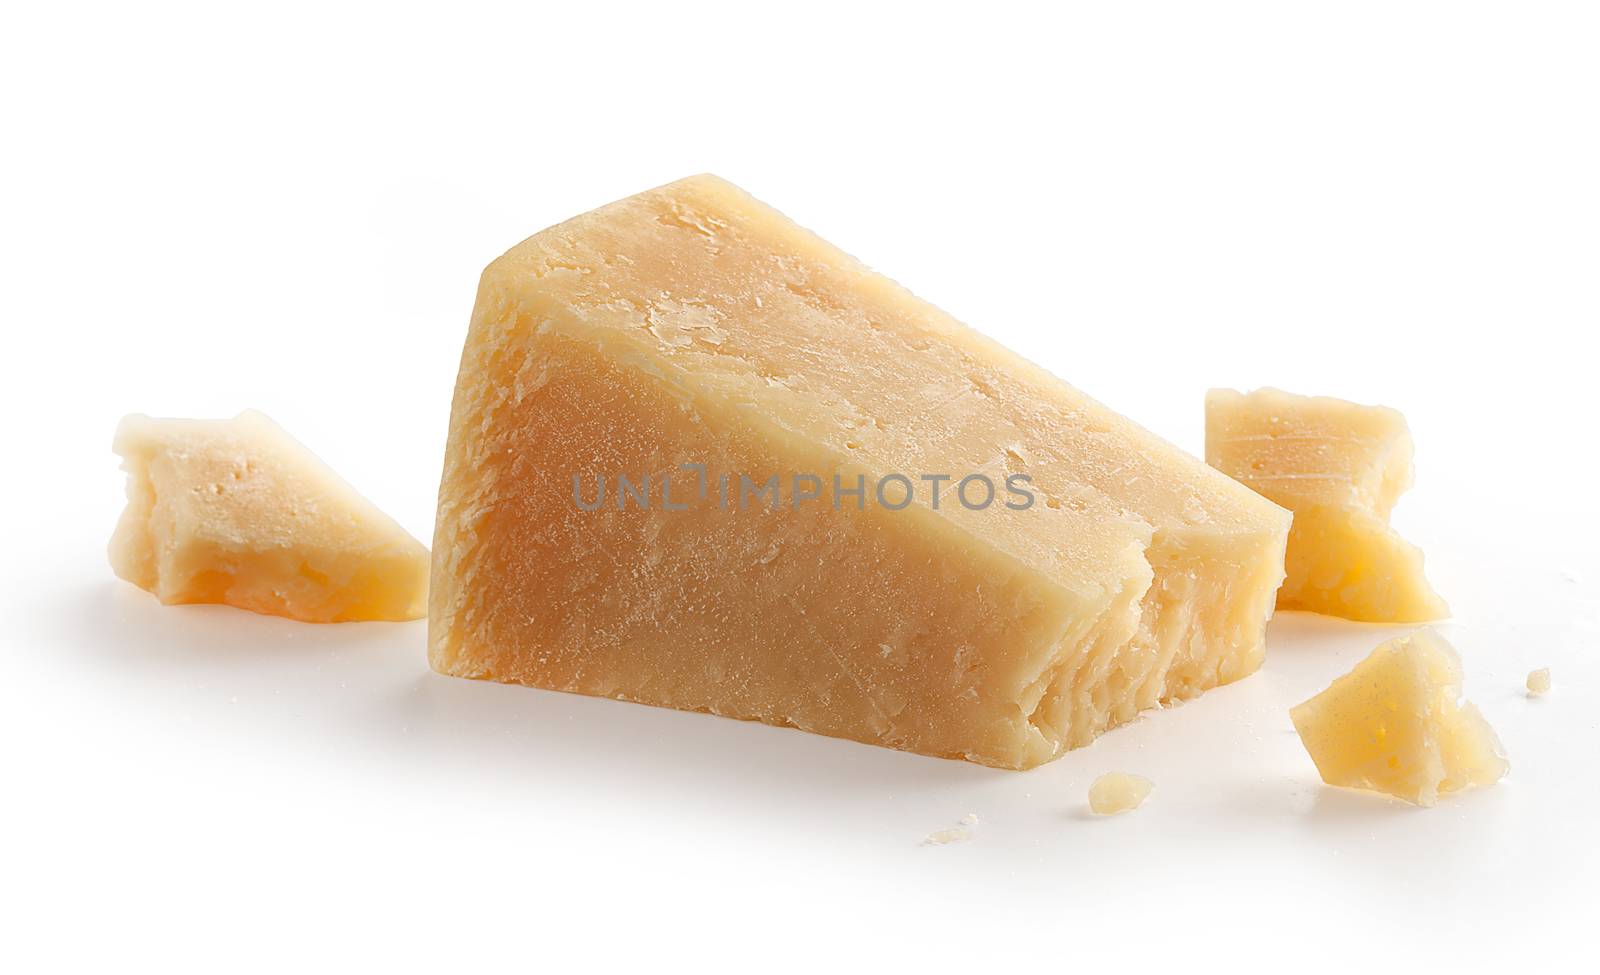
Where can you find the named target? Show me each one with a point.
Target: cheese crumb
(1539, 682)
(955, 834)
(959, 833)
(1118, 792)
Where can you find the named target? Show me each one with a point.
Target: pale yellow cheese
(1396, 724)
(962, 831)
(1340, 467)
(692, 325)
(1539, 682)
(238, 512)
(1118, 792)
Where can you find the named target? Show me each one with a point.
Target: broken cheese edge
(238, 512)
(1340, 467)
(1395, 724)
(1118, 792)
(693, 324)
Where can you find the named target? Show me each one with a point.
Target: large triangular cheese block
(238, 512)
(769, 421)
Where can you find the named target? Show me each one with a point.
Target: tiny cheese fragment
(1539, 682)
(1340, 467)
(672, 351)
(1396, 724)
(963, 830)
(238, 512)
(1118, 792)
(944, 837)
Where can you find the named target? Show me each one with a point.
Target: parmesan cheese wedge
(238, 512)
(700, 458)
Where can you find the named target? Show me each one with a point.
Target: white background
(210, 207)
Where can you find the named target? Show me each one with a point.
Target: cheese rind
(1340, 467)
(691, 325)
(1395, 724)
(238, 512)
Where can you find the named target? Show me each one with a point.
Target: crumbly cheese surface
(692, 326)
(1340, 467)
(1396, 724)
(1118, 792)
(238, 512)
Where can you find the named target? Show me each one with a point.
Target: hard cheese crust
(238, 512)
(692, 325)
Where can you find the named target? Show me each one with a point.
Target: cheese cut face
(1340, 467)
(685, 344)
(1396, 724)
(238, 512)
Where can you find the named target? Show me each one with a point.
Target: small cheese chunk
(683, 346)
(1396, 724)
(1118, 792)
(238, 512)
(1539, 682)
(1340, 467)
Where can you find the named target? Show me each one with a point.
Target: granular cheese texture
(1396, 724)
(695, 460)
(1118, 792)
(1539, 682)
(238, 512)
(1340, 467)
